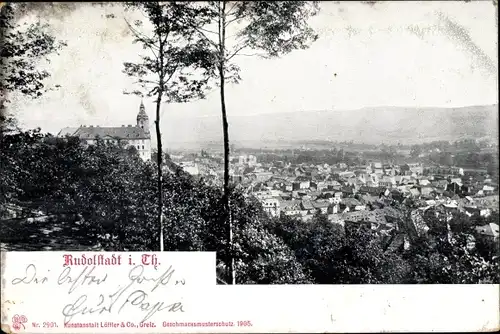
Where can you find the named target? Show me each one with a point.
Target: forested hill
(389, 125)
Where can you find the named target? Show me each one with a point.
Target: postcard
(249, 166)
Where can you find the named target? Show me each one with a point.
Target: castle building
(137, 136)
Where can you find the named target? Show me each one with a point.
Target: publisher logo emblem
(18, 321)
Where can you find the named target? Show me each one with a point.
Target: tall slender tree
(174, 69)
(22, 47)
(245, 28)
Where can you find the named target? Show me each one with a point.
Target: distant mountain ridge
(371, 125)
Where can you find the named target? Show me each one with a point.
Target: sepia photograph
(303, 142)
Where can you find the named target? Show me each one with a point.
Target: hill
(375, 125)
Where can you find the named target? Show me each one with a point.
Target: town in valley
(362, 184)
(302, 142)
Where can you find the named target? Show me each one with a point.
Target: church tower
(143, 119)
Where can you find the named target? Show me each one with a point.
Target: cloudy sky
(441, 54)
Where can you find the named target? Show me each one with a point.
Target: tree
(415, 151)
(265, 259)
(331, 254)
(273, 28)
(111, 191)
(14, 146)
(446, 159)
(492, 168)
(450, 261)
(174, 70)
(23, 47)
(340, 155)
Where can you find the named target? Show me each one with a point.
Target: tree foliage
(176, 61)
(109, 194)
(227, 30)
(415, 151)
(232, 29)
(60, 176)
(175, 69)
(332, 255)
(23, 47)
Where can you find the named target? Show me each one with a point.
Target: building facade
(137, 136)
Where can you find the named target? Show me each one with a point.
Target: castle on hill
(137, 136)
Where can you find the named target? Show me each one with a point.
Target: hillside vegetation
(103, 197)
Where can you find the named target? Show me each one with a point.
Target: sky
(441, 54)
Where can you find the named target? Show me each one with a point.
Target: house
(489, 231)
(346, 176)
(454, 187)
(414, 192)
(467, 188)
(299, 171)
(333, 184)
(249, 160)
(351, 204)
(396, 195)
(357, 217)
(475, 211)
(396, 242)
(321, 206)
(290, 208)
(418, 221)
(360, 207)
(373, 219)
(261, 176)
(488, 190)
(306, 205)
(352, 182)
(333, 208)
(347, 191)
(373, 191)
(412, 168)
(137, 136)
(389, 170)
(191, 167)
(319, 185)
(336, 218)
(311, 172)
(456, 180)
(342, 165)
(488, 204)
(424, 182)
(287, 186)
(271, 206)
(440, 184)
(387, 181)
(398, 179)
(301, 183)
(391, 214)
(368, 199)
(426, 192)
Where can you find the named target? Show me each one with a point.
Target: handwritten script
(92, 284)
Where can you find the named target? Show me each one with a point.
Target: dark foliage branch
(176, 64)
(174, 71)
(229, 28)
(22, 48)
(265, 29)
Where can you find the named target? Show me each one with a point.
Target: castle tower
(143, 119)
